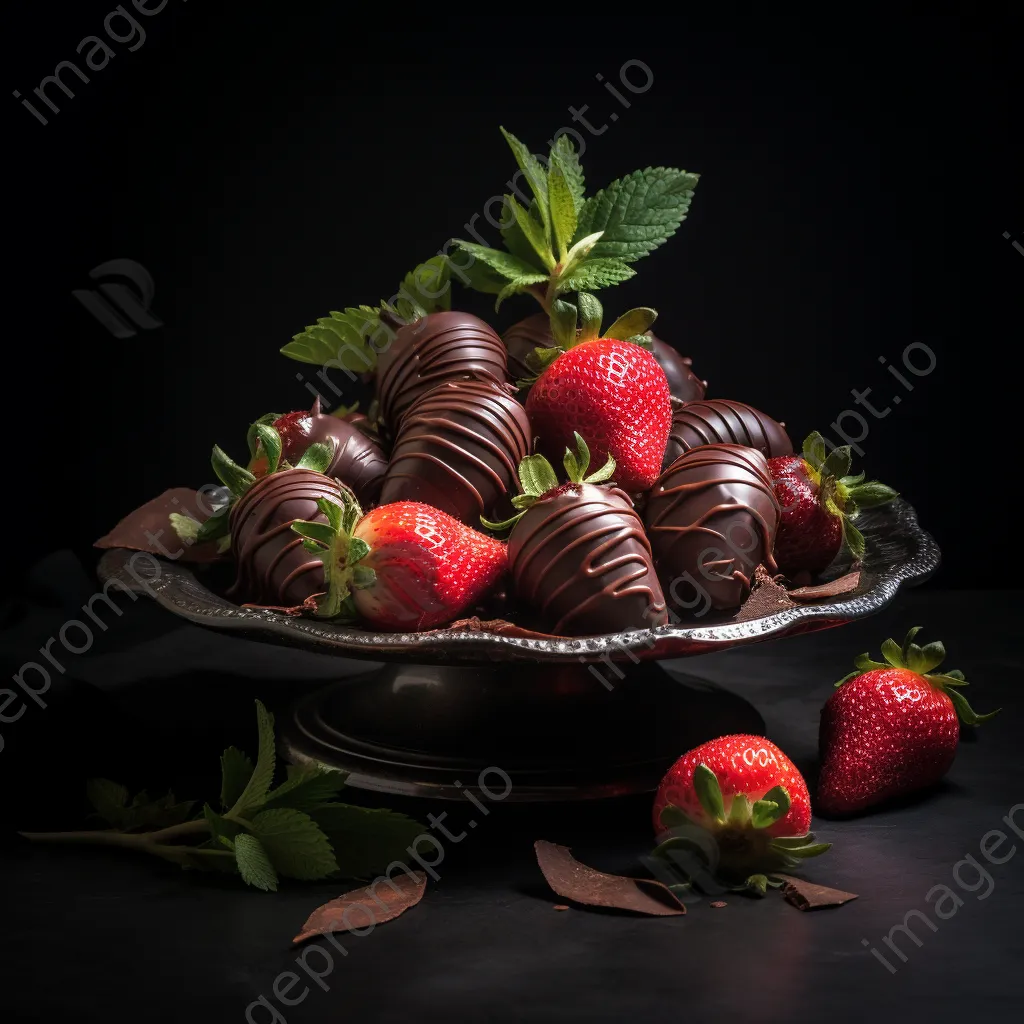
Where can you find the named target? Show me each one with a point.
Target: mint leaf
(563, 209)
(366, 839)
(109, 799)
(594, 273)
(428, 286)
(480, 277)
(563, 153)
(531, 167)
(639, 212)
(253, 864)
(235, 771)
(341, 340)
(532, 231)
(307, 786)
(510, 267)
(295, 844)
(144, 813)
(222, 831)
(262, 777)
(519, 285)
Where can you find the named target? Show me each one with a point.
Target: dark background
(269, 163)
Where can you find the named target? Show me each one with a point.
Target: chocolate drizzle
(439, 347)
(522, 338)
(273, 566)
(683, 383)
(580, 557)
(711, 518)
(358, 462)
(719, 421)
(459, 449)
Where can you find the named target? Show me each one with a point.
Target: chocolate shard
(364, 908)
(273, 566)
(459, 449)
(683, 383)
(579, 555)
(809, 896)
(711, 518)
(720, 421)
(522, 338)
(834, 588)
(581, 884)
(439, 347)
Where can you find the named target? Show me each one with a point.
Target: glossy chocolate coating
(711, 519)
(579, 556)
(459, 449)
(440, 347)
(683, 383)
(720, 421)
(522, 338)
(358, 462)
(273, 566)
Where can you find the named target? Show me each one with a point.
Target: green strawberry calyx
(573, 324)
(537, 478)
(238, 479)
(840, 493)
(746, 856)
(341, 553)
(922, 661)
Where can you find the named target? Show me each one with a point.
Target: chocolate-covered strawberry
(522, 339)
(711, 519)
(819, 501)
(607, 386)
(578, 552)
(683, 384)
(720, 421)
(433, 349)
(358, 461)
(458, 449)
(402, 566)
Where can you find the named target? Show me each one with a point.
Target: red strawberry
(818, 501)
(891, 727)
(751, 799)
(402, 566)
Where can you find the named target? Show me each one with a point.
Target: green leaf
(606, 472)
(236, 479)
(572, 470)
(480, 277)
(924, 659)
(534, 232)
(908, 642)
(366, 840)
(536, 475)
(295, 844)
(591, 314)
(262, 777)
(705, 783)
(270, 441)
(518, 286)
(222, 831)
(531, 167)
(893, 653)
(637, 213)
(563, 209)
(582, 458)
(945, 679)
(837, 463)
(779, 795)
(814, 450)
(563, 323)
(318, 456)
(865, 663)
(598, 272)
(793, 842)
(321, 533)
(740, 809)
(306, 787)
(580, 251)
(757, 884)
(854, 539)
(163, 812)
(634, 322)
(253, 864)
(342, 340)
(810, 850)
(185, 527)
(563, 153)
(216, 527)
(508, 266)
(500, 527)
(109, 800)
(428, 286)
(235, 771)
(966, 713)
(251, 436)
(872, 494)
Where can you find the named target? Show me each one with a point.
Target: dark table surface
(93, 935)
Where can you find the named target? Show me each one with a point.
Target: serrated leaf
(536, 475)
(534, 233)
(342, 340)
(295, 844)
(235, 771)
(563, 153)
(634, 322)
(253, 863)
(563, 208)
(639, 212)
(160, 813)
(221, 828)
(520, 284)
(366, 839)
(262, 777)
(592, 273)
(109, 800)
(535, 176)
(479, 276)
(307, 786)
(508, 266)
(428, 286)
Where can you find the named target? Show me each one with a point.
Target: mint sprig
(297, 829)
(562, 242)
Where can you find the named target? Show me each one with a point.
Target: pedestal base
(558, 731)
